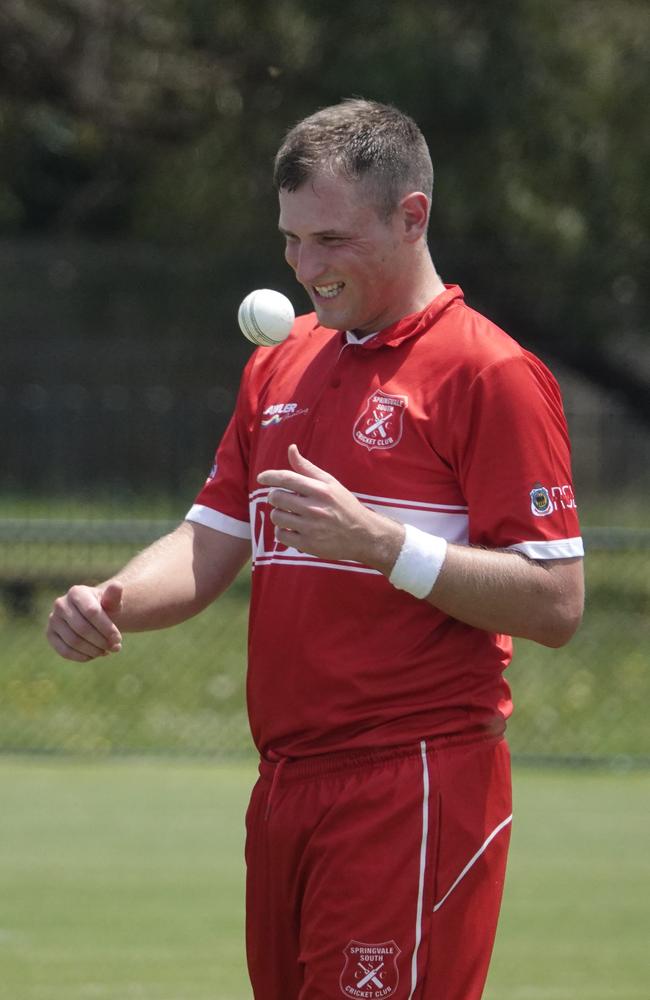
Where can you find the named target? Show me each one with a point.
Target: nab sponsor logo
(544, 501)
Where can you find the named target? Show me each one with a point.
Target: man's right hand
(81, 626)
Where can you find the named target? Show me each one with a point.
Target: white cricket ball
(266, 317)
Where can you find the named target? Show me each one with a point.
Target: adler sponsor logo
(278, 412)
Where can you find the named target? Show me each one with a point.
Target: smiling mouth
(329, 291)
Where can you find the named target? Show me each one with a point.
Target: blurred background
(136, 210)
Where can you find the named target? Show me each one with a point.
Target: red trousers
(378, 874)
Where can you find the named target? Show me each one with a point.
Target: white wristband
(420, 560)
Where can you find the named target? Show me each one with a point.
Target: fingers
(285, 519)
(285, 479)
(111, 600)
(302, 465)
(311, 510)
(290, 539)
(71, 645)
(290, 502)
(303, 477)
(79, 628)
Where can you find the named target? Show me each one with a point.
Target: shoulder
(306, 338)
(473, 338)
(474, 349)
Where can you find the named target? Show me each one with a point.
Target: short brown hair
(358, 139)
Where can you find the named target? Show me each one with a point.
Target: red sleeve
(223, 502)
(512, 457)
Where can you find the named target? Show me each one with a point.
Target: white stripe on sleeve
(561, 548)
(220, 522)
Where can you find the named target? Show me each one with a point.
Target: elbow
(561, 626)
(561, 612)
(559, 635)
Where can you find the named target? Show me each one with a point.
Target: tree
(158, 120)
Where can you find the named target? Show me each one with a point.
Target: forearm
(168, 582)
(159, 586)
(508, 593)
(173, 580)
(494, 590)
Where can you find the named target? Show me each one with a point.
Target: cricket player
(398, 473)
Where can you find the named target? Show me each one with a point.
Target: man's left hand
(314, 513)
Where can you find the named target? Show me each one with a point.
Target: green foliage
(159, 122)
(529, 108)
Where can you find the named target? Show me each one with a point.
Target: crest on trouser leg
(370, 971)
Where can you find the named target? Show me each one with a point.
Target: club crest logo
(381, 424)
(540, 501)
(370, 971)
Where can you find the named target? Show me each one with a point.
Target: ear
(415, 209)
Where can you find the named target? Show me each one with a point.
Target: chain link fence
(183, 690)
(120, 369)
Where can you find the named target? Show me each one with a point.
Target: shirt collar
(409, 326)
(351, 338)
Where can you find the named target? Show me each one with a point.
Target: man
(402, 468)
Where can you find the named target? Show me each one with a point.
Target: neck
(425, 284)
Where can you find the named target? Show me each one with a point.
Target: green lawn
(576, 913)
(123, 880)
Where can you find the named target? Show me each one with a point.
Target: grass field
(123, 880)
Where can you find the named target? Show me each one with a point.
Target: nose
(305, 262)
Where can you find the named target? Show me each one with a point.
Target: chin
(333, 319)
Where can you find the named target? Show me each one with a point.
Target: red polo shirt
(441, 421)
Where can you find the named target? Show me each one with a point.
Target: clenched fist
(81, 625)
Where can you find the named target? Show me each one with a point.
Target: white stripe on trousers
(423, 862)
(472, 861)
